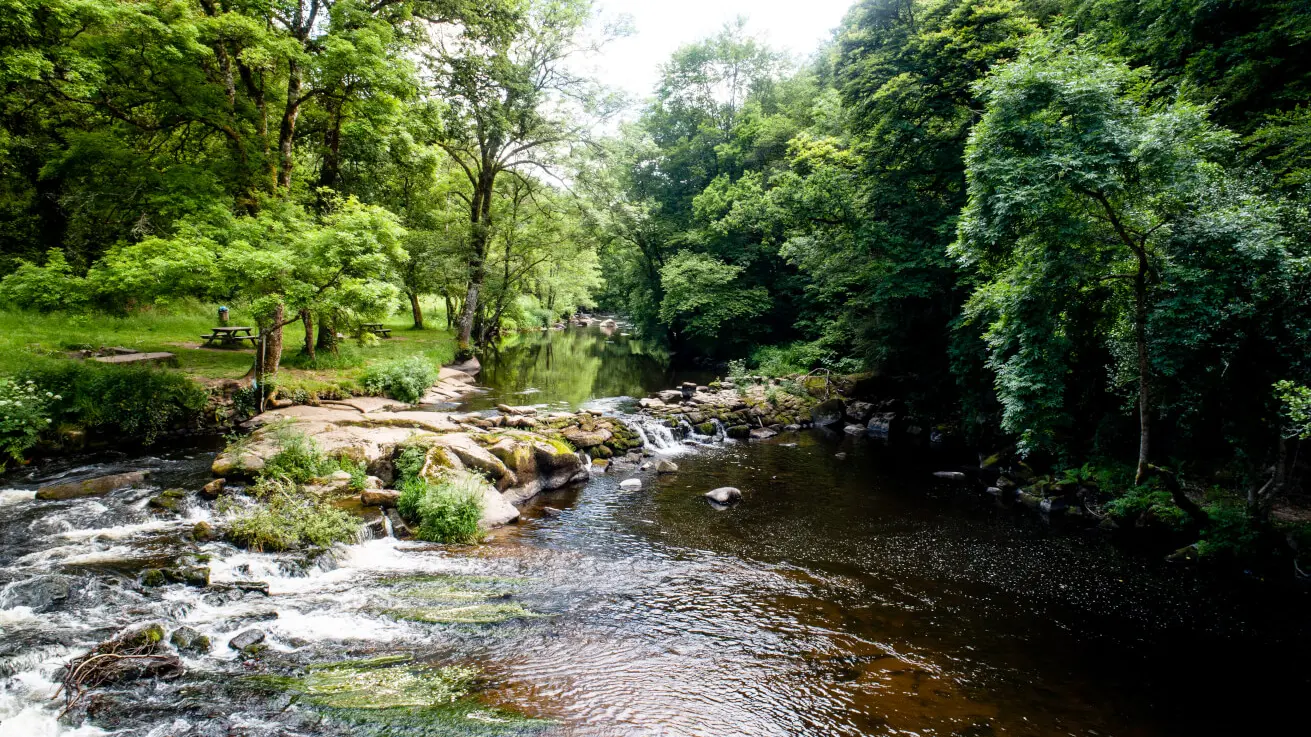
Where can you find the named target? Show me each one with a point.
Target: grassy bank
(26, 338)
(67, 396)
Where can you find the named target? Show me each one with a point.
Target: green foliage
(298, 459)
(409, 462)
(446, 511)
(285, 518)
(1231, 533)
(1147, 501)
(701, 296)
(794, 358)
(404, 379)
(1297, 408)
(130, 402)
(24, 415)
(44, 288)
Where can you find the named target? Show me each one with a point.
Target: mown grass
(28, 337)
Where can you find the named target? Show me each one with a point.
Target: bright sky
(795, 26)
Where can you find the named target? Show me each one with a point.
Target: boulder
(724, 495)
(600, 465)
(740, 432)
(630, 484)
(379, 498)
(213, 489)
(828, 413)
(507, 409)
(650, 403)
(169, 500)
(950, 475)
(854, 429)
(665, 467)
(583, 439)
(880, 424)
(248, 642)
(469, 367)
(186, 639)
(204, 532)
(860, 412)
(762, 433)
(497, 510)
(669, 396)
(91, 487)
(477, 458)
(40, 594)
(687, 389)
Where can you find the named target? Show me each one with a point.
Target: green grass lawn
(27, 337)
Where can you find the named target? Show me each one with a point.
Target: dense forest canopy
(1075, 225)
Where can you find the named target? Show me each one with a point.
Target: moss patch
(481, 613)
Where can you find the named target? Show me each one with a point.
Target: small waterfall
(386, 523)
(653, 433)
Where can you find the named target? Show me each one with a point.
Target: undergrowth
(284, 517)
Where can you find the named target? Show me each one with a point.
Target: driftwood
(137, 653)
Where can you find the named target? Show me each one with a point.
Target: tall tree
(511, 103)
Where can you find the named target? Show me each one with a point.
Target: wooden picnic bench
(376, 328)
(228, 337)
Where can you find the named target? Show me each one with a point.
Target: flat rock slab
(366, 404)
(159, 357)
(91, 487)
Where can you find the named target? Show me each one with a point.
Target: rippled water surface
(847, 595)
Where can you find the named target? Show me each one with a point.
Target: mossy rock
(739, 432)
(602, 451)
(705, 428)
(169, 500)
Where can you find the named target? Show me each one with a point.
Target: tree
(510, 102)
(701, 296)
(1078, 192)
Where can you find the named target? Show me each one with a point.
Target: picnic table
(228, 337)
(376, 328)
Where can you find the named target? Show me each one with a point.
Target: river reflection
(572, 367)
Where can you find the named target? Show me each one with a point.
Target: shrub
(44, 288)
(298, 458)
(1139, 500)
(409, 462)
(404, 379)
(285, 518)
(129, 401)
(24, 415)
(446, 511)
(794, 358)
(1230, 534)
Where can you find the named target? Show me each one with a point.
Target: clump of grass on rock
(447, 510)
(286, 518)
(404, 379)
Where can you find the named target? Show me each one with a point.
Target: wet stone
(187, 639)
(248, 641)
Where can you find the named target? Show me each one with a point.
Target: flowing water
(846, 595)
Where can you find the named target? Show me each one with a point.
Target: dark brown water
(843, 596)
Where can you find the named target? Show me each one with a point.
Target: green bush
(409, 462)
(794, 358)
(24, 415)
(446, 511)
(285, 518)
(298, 458)
(405, 379)
(1230, 533)
(131, 402)
(1139, 500)
(45, 288)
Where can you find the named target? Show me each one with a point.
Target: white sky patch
(661, 26)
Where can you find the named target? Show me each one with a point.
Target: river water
(848, 594)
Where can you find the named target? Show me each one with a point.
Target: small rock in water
(840, 455)
(91, 487)
(186, 638)
(762, 433)
(724, 495)
(950, 475)
(854, 429)
(169, 500)
(385, 498)
(551, 512)
(600, 465)
(205, 533)
(248, 641)
(666, 467)
(631, 484)
(213, 489)
(41, 593)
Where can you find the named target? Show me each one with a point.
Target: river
(850, 593)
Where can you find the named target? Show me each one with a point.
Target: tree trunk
(308, 320)
(417, 310)
(477, 275)
(287, 132)
(1144, 370)
(450, 311)
(327, 333)
(269, 358)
